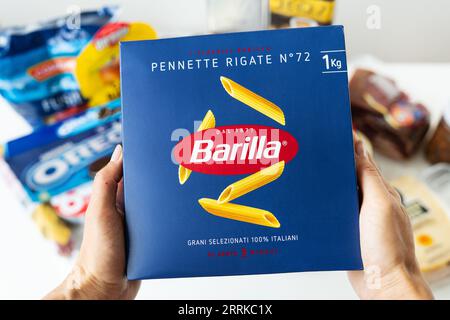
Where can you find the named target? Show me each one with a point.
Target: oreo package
(57, 163)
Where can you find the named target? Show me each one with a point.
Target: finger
(357, 139)
(374, 164)
(394, 192)
(370, 180)
(387, 185)
(369, 157)
(119, 198)
(106, 182)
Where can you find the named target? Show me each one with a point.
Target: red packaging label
(237, 149)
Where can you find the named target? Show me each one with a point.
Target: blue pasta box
(238, 154)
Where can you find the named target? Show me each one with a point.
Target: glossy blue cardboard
(316, 197)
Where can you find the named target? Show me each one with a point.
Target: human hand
(391, 270)
(99, 272)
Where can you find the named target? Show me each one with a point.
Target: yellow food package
(430, 223)
(50, 225)
(97, 67)
(301, 13)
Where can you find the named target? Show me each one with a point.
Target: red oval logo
(238, 149)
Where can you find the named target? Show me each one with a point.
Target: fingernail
(360, 150)
(117, 154)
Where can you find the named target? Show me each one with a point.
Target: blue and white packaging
(57, 163)
(37, 64)
(238, 154)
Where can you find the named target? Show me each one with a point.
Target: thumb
(106, 182)
(369, 177)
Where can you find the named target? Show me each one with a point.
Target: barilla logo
(110, 35)
(238, 149)
(260, 152)
(58, 165)
(51, 68)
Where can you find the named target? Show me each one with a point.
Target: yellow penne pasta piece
(208, 122)
(183, 174)
(252, 182)
(239, 212)
(253, 100)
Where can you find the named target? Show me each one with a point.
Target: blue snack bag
(37, 65)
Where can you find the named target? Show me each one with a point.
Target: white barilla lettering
(252, 149)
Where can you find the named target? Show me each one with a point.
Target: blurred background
(59, 86)
(410, 31)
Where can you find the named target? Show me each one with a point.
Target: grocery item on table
(51, 170)
(301, 13)
(438, 148)
(237, 15)
(431, 225)
(55, 159)
(52, 226)
(37, 64)
(227, 170)
(437, 178)
(298, 22)
(71, 205)
(384, 113)
(97, 67)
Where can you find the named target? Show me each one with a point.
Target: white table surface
(30, 266)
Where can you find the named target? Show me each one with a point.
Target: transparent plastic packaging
(237, 15)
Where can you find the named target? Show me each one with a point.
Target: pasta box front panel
(238, 154)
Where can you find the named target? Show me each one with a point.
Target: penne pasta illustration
(183, 174)
(253, 100)
(252, 182)
(239, 212)
(208, 122)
